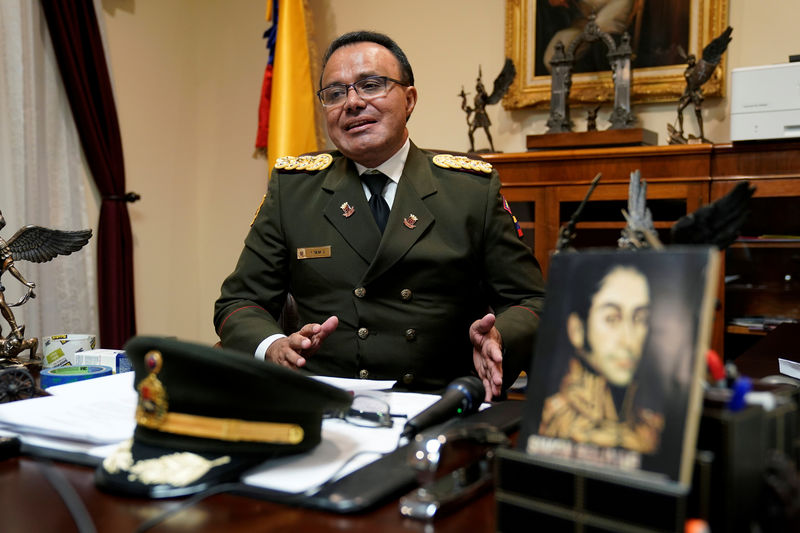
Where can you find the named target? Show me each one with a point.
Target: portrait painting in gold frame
(661, 32)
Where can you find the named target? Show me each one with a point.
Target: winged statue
(38, 245)
(718, 223)
(476, 115)
(697, 73)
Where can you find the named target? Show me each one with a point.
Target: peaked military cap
(205, 415)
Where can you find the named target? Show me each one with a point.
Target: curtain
(42, 176)
(81, 59)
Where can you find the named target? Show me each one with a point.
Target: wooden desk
(28, 503)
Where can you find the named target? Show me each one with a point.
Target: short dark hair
(363, 36)
(587, 279)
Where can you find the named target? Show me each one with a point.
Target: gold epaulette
(460, 162)
(308, 163)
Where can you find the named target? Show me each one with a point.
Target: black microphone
(462, 397)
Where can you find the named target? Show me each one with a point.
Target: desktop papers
(85, 421)
(344, 449)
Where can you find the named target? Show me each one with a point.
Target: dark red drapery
(82, 62)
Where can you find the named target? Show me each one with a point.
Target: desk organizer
(559, 496)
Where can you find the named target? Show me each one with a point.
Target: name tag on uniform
(314, 252)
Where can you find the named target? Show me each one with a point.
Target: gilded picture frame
(662, 83)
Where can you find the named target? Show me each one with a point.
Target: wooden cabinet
(762, 269)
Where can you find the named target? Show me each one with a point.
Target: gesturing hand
(487, 354)
(292, 351)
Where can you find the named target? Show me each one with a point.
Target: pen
(741, 387)
(715, 368)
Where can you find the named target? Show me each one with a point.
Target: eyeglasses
(368, 411)
(367, 88)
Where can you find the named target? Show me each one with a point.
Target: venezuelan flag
(286, 124)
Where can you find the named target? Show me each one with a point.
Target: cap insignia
(152, 407)
(460, 162)
(308, 163)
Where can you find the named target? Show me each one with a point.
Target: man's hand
(292, 351)
(487, 354)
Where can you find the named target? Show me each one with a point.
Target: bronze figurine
(561, 65)
(591, 118)
(480, 119)
(697, 73)
(566, 234)
(559, 120)
(39, 245)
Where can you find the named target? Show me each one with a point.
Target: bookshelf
(762, 270)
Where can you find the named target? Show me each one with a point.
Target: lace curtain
(42, 176)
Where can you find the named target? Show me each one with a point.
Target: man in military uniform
(596, 401)
(402, 283)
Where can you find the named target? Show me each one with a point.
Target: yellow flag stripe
(292, 127)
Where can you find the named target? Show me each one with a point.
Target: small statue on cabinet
(591, 118)
(39, 245)
(697, 73)
(560, 84)
(480, 119)
(561, 65)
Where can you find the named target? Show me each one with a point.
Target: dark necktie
(380, 209)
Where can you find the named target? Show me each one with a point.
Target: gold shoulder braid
(308, 163)
(460, 162)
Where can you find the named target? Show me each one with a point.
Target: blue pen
(741, 387)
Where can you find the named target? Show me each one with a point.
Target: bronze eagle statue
(38, 245)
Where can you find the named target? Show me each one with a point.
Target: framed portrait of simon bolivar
(661, 32)
(616, 378)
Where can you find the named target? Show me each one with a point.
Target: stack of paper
(85, 421)
(82, 422)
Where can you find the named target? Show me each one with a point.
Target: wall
(187, 75)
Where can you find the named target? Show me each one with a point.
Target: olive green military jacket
(449, 254)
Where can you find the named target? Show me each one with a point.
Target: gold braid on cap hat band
(228, 429)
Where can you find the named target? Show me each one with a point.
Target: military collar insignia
(347, 210)
(410, 221)
(308, 163)
(460, 162)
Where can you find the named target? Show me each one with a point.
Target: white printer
(765, 102)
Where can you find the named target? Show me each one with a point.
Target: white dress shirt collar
(392, 167)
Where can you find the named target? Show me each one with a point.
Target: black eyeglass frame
(381, 417)
(348, 86)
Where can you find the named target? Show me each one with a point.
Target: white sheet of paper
(95, 412)
(341, 441)
(356, 385)
(789, 368)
